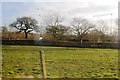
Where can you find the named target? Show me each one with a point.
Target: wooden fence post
(42, 63)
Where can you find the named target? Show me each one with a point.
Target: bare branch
(81, 27)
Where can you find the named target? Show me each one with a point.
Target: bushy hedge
(59, 43)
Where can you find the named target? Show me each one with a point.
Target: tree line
(79, 28)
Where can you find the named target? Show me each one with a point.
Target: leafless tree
(4, 29)
(55, 26)
(103, 29)
(116, 28)
(58, 32)
(115, 31)
(80, 27)
(53, 19)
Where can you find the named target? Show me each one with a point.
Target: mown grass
(60, 62)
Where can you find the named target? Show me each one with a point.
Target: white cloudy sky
(91, 9)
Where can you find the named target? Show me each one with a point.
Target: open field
(60, 62)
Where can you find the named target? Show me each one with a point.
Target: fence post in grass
(42, 63)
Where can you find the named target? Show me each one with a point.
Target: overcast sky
(91, 9)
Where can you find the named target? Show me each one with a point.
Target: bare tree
(103, 30)
(53, 19)
(58, 31)
(80, 27)
(55, 26)
(4, 29)
(115, 28)
(25, 24)
(115, 31)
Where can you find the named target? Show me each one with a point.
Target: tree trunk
(26, 35)
(80, 39)
(54, 37)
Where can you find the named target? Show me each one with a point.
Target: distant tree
(116, 30)
(4, 29)
(58, 31)
(102, 29)
(53, 19)
(80, 27)
(25, 24)
(55, 26)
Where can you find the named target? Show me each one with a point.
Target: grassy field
(60, 62)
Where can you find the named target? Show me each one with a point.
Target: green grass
(60, 62)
